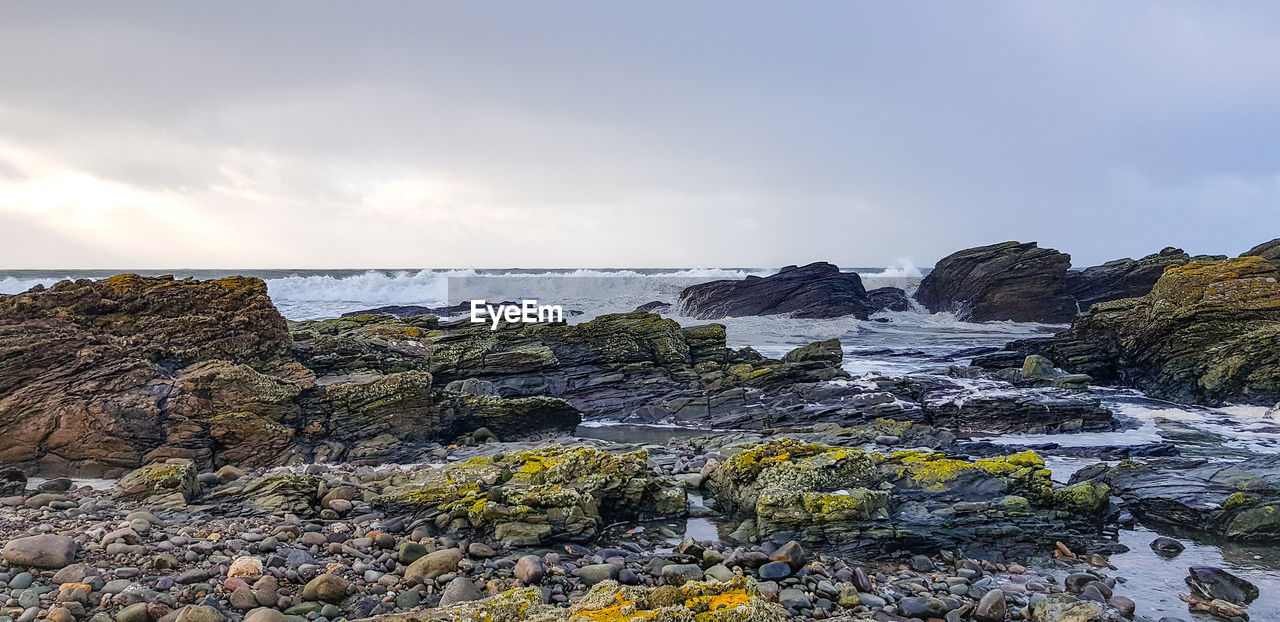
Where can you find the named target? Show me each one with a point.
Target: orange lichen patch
(717, 603)
(621, 612)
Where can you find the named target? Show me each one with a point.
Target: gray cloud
(710, 133)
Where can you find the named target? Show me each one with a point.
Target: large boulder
(889, 299)
(818, 290)
(167, 484)
(1206, 333)
(525, 497)
(874, 503)
(1122, 278)
(1007, 281)
(93, 373)
(42, 551)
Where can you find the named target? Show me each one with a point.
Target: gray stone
(530, 569)
(42, 551)
(596, 573)
(460, 590)
(679, 574)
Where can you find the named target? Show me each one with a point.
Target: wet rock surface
(1206, 334)
(1008, 281)
(817, 290)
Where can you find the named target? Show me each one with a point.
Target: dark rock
(656, 306)
(1122, 278)
(1237, 501)
(774, 571)
(889, 299)
(12, 482)
(817, 290)
(923, 607)
(1167, 547)
(1215, 583)
(57, 484)
(1008, 281)
(1267, 250)
(1205, 334)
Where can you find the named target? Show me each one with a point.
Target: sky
(642, 134)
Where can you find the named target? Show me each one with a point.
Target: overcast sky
(549, 134)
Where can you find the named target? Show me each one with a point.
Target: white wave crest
(904, 268)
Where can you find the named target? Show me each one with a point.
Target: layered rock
(529, 496)
(1207, 333)
(97, 374)
(1237, 501)
(1122, 278)
(104, 376)
(817, 290)
(615, 366)
(1267, 250)
(1008, 281)
(911, 499)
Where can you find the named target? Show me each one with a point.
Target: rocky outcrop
(1206, 333)
(1008, 281)
(96, 372)
(101, 377)
(526, 497)
(911, 499)
(1267, 250)
(818, 290)
(614, 366)
(1123, 278)
(1237, 501)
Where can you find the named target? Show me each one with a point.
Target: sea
(889, 343)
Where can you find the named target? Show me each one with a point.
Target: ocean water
(910, 341)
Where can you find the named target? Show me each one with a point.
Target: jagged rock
(889, 299)
(551, 492)
(168, 484)
(113, 352)
(1238, 501)
(1206, 333)
(1122, 278)
(962, 410)
(616, 366)
(1008, 281)
(817, 290)
(867, 501)
(1217, 584)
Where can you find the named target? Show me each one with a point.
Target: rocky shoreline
(399, 466)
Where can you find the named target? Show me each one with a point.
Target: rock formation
(1122, 278)
(818, 290)
(1008, 281)
(877, 502)
(1208, 333)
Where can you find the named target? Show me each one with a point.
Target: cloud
(582, 134)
